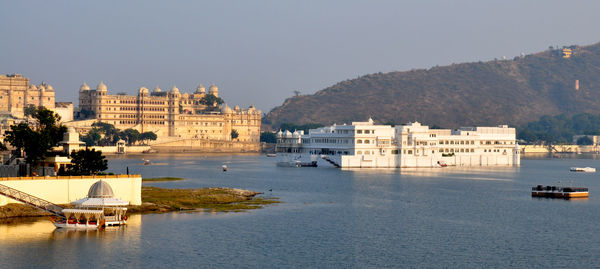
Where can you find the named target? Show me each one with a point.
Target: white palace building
(366, 145)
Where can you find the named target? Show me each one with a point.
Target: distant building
(64, 110)
(567, 52)
(170, 114)
(16, 93)
(6, 120)
(366, 145)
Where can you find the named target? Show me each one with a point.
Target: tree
(3, 147)
(146, 136)
(584, 141)
(210, 100)
(92, 137)
(111, 134)
(29, 110)
(234, 134)
(296, 92)
(87, 162)
(38, 142)
(131, 135)
(268, 137)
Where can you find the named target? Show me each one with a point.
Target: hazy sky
(259, 52)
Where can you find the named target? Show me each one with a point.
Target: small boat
(559, 192)
(289, 164)
(99, 209)
(583, 169)
(310, 164)
(271, 154)
(224, 167)
(442, 163)
(146, 161)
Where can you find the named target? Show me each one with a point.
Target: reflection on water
(475, 217)
(43, 229)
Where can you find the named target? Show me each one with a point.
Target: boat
(98, 210)
(559, 192)
(271, 154)
(583, 169)
(442, 164)
(309, 164)
(146, 161)
(224, 167)
(289, 164)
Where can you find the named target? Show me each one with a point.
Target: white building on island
(366, 145)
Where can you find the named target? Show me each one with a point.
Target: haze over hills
(481, 93)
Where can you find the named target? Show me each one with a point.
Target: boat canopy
(100, 202)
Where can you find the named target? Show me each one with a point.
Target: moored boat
(559, 192)
(583, 169)
(99, 209)
(271, 154)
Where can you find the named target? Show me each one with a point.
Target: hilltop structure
(171, 114)
(16, 93)
(366, 145)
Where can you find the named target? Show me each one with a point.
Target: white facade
(364, 144)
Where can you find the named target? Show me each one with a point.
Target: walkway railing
(31, 200)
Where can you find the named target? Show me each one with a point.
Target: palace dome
(100, 189)
(174, 90)
(143, 90)
(226, 109)
(157, 89)
(84, 87)
(213, 88)
(49, 87)
(200, 89)
(101, 86)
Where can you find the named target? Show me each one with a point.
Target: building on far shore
(170, 115)
(366, 145)
(16, 93)
(64, 110)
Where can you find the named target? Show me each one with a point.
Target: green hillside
(483, 93)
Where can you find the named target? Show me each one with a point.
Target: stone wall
(204, 145)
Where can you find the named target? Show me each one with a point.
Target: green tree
(37, 143)
(268, 137)
(234, 134)
(147, 136)
(29, 110)
(131, 135)
(3, 147)
(87, 162)
(92, 137)
(584, 141)
(210, 100)
(109, 132)
(305, 127)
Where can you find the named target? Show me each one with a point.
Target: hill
(481, 93)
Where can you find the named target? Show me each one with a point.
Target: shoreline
(162, 200)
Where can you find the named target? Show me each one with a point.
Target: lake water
(333, 218)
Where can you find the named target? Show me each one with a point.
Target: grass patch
(207, 199)
(159, 179)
